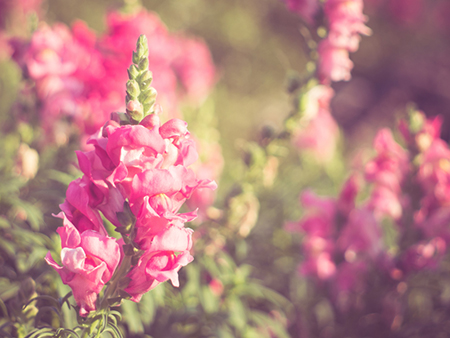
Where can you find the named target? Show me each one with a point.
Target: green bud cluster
(139, 88)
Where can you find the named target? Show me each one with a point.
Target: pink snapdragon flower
(424, 255)
(346, 23)
(168, 252)
(209, 166)
(334, 63)
(387, 172)
(146, 166)
(88, 259)
(317, 131)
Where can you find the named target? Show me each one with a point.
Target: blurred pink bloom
(361, 235)
(387, 171)
(424, 255)
(346, 200)
(209, 166)
(317, 131)
(307, 9)
(80, 78)
(346, 22)
(334, 63)
(89, 260)
(321, 266)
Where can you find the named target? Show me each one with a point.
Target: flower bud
(135, 58)
(133, 72)
(142, 47)
(148, 96)
(133, 89)
(146, 76)
(143, 64)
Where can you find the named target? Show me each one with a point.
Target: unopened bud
(143, 64)
(135, 58)
(133, 89)
(134, 105)
(148, 96)
(142, 46)
(133, 72)
(146, 76)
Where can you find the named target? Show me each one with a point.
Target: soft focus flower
(27, 162)
(334, 63)
(345, 24)
(317, 131)
(88, 259)
(424, 255)
(79, 76)
(387, 172)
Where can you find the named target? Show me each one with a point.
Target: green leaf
(131, 317)
(8, 290)
(237, 312)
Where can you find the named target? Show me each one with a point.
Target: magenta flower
(334, 63)
(88, 259)
(168, 252)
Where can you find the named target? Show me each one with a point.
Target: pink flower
(209, 166)
(317, 132)
(346, 22)
(81, 77)
(89, 260)
(361, 235)
(387, 171)
(160, 262)
(321, 266)
(424, 255)
(334, 63)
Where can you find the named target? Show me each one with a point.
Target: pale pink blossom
(168, 252)
(334, 63)
(88, 259)
(317, 131)
(424, 255)
(361, 235)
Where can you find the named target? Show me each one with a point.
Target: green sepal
(133, 72)
(143, 64)
(133, 89)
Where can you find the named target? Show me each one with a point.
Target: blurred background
(245, 273)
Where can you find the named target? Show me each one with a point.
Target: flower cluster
(346, 22)
(318, 131)
(78, 75)
(344, 241)
(137, 178)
